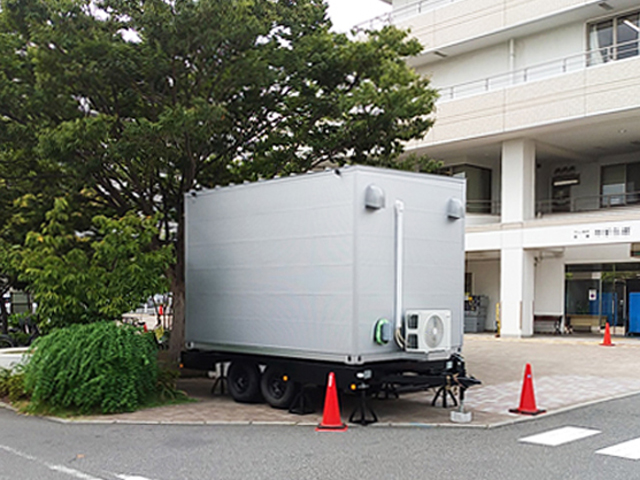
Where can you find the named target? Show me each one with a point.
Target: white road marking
(132, 477)
(72, 472)
(18, 453)
(55, 468)
(560, 436)
(630, 450)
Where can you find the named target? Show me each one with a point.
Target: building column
(517, 196)
(517, 280)
(517, 268)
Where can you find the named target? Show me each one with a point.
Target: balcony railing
(585, 203)
(541, 71)
(401, 13)
(487, 207)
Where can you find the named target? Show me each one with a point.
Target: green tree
(143, 101)
(97, 274)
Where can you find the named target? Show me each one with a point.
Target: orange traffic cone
(606, 342)
(527, 397)
(331, 415)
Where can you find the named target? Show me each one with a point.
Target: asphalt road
(32, 449)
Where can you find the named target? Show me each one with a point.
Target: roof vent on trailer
(374, 197)
(455, 209)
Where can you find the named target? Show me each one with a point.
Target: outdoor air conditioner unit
(427, 331)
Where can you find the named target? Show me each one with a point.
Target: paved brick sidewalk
(568, 371)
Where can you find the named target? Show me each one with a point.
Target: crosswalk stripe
(559, 436)
(630, 450)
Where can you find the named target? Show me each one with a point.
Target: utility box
(475, 313)
(328, 266)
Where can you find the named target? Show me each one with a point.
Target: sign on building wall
(602, 233)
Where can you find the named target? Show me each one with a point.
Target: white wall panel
(467, 19)
(472, 66)
(549, 289)
(612, 86)
(550, 45)
(599, 254)
(519, 11)
(545, 101)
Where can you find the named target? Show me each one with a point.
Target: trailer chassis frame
(388, 378)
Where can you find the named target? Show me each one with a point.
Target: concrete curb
(280, 423)
(8, 407)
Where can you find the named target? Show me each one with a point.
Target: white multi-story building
(540, 109)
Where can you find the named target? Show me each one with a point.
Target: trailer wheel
(244, 382)
(276, 389)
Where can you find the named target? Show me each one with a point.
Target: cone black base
(332, 428)
(523, 412)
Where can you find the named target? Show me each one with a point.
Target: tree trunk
(4, 315)
(176, 274)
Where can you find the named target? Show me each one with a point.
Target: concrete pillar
(517, 279)
(517, 269)
(518, 180)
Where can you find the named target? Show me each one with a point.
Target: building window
(620, 184)
(478, 186)
(614, 39)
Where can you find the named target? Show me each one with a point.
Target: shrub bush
(12, 384)
(100, 367)
(16, 388)
(5, 375)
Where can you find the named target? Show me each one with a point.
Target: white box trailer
(358, 270)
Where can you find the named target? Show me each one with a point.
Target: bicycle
(21, 335)
(6, 342)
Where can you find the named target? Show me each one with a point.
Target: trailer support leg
(362, 409)
(301, 404)
(221, 379)
(387, 391)
(444, 390)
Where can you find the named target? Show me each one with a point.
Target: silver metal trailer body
(305, 267)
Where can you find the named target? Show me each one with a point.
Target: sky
(347, 13)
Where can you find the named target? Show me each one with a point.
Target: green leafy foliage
(5, 375)
(16, 389)
(94, 275)
(12, 384)
(166, 385)
(101, 367)
(125, 105)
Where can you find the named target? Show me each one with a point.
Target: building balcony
(452, 27)
(546, 70)
(566, 94)
(402, 14)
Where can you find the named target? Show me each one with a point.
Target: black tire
(278, 391)
(6, 342)
(243, 379)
